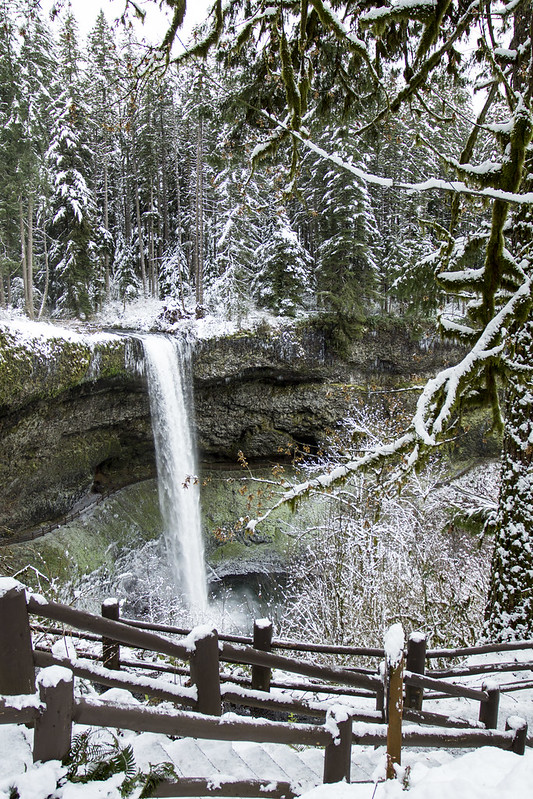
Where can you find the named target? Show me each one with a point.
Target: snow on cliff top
(29, 333)
(142, 315)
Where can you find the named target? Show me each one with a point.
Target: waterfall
(168, 370)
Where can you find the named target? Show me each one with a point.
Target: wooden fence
(211, 689)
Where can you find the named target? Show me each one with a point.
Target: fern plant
(92, 759)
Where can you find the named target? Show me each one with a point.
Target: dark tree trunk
(509, 611)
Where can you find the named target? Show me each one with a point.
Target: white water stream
(168, 371)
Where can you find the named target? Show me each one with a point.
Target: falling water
(169, 387)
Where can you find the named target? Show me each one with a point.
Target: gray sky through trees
(155, 24)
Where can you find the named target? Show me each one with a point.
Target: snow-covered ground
(486, 773)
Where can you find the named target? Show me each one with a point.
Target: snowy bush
(377, 557)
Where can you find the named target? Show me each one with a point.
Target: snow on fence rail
(416, 648)
(54, 709)
(416, 683)
(417, 655)
(262, 663)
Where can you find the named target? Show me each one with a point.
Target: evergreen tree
(74, 251)
(346, 235)
(101, 93)
(27, 86)
(509, 611)
(283, 277)
(10, 153)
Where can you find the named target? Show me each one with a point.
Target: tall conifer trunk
(509, 611)
(509, 614)
(106, 225)
(46, 274)
(29, 260)
(199, 217)
(24, 256)
(139, 225)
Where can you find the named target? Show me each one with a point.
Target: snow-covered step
(225, 760)
(364, 763)
(287, 759)
(244, 760)
(241, 760)
(260, 762)
(188, 758)
(314, 760)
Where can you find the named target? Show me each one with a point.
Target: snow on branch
(432, 184)
(330, 19)
(419, 10)
(339, 475)
(434, 409)
(443, 391)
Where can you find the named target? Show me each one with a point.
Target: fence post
(263, 641)
(394, 644)
(519, 726)
(110, 648)
(338, 753)
(488, 710)
(17, 670)
(416, 662)
(205, 671)
(53, 729)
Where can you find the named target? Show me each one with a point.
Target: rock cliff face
(75, 417)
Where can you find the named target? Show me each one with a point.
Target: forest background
(124, 179)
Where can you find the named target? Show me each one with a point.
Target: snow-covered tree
(284, 270)
(101, 91)
(73, 253)
(28, 91)
(10, 151)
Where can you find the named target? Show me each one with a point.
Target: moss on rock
(38, 367)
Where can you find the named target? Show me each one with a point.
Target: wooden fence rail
(247, 655)
(114, 632)
(196, 787)
(331, 649)
(416, 655)
(55, 709)
(277, 643)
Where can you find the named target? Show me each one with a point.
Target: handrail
(452, 689)
(483, 649)
(254, 657)
(95, 712)
(333, 649)
(116, 630)
(19, 712)
(277, 643)
(479, 668)
(147, 665)
(199, 786)
(130, 636)
(115, 679)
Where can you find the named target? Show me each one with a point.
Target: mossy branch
(202, 48)
(431, 31)
(420, 77)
